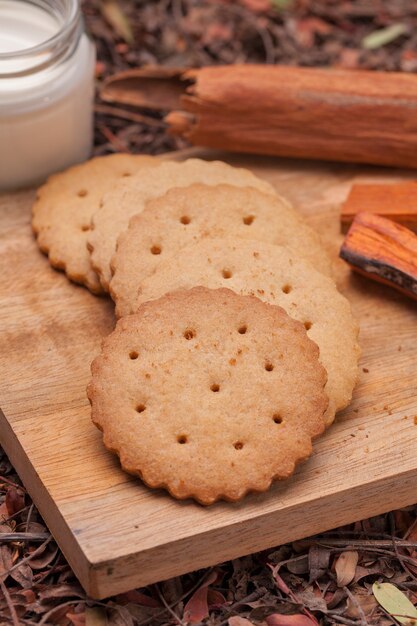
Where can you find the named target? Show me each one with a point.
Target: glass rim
(70, 23)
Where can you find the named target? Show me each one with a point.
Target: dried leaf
(61, 591)
(281, 584)
(282, 5)
(346, 567)
(114, 15)
(43, 560)
(4, 513)
(215, 598)
(257, 6)
(23, 575)
(15, 500)
(236, 620)
(379, 569)
(77, 619)
(289, 620)
(384, 36)
(312, 601)
(299, 566)
(120, 616)
(318, 561)
(6, 560)
(361, 599)
(396, 603)
(95, 616)
(196, 608)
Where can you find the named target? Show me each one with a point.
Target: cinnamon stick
(382, 250)
(341, 115)
(396, 201)
(148, 87)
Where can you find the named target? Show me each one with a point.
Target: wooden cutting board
(116, 533)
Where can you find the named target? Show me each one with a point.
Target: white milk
(46, 90)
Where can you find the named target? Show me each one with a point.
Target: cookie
(188, 214)
(276, 276)
(208, 394)
(64, 207)
(128, 199)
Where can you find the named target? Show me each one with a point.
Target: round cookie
(65, 204)
(128, 199)
(208, 394)
(187, 214)
(273, 274)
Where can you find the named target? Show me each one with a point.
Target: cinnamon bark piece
(383, 251)
(316, 113)
(396, 201)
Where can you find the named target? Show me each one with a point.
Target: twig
(10, 604)
(400, 557)
(9, 482)
(28, 517)
(366, 543)
(129, 115)
(410, 530)
(28, 558)
(8, 537)
(344, 620)
(407, 559)
(117, 144)
(263, 33)
(184, 595)
(59, 606)
(357, 605)
(167, 606)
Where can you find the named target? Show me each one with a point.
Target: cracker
(64, 207)
(274, 275)
(185, 215)
(209, 394)
(128, 199)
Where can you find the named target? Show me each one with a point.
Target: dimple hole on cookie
(277, 418)
(126, 174)
(226, 274)
(185, 219)
(248, 219)
(238, 445)
(242, 329)
(286, 288)
(308, 325)
(85, 227)
(189, 333)
(182, 439)
(269, 366)
(133, 354)
(140, 408)
(82, 193)
(215, 387)
(156, 250)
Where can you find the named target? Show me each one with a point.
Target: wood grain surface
(116, 533)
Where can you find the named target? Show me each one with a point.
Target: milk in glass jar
(46, 89)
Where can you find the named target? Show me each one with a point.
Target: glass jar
(46, 89)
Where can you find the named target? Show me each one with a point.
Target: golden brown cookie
(129, 199)
(187, 214)
(64, 207)
(209, 394)
(276, 276)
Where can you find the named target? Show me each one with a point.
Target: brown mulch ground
(190, 33)
(323, 580)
